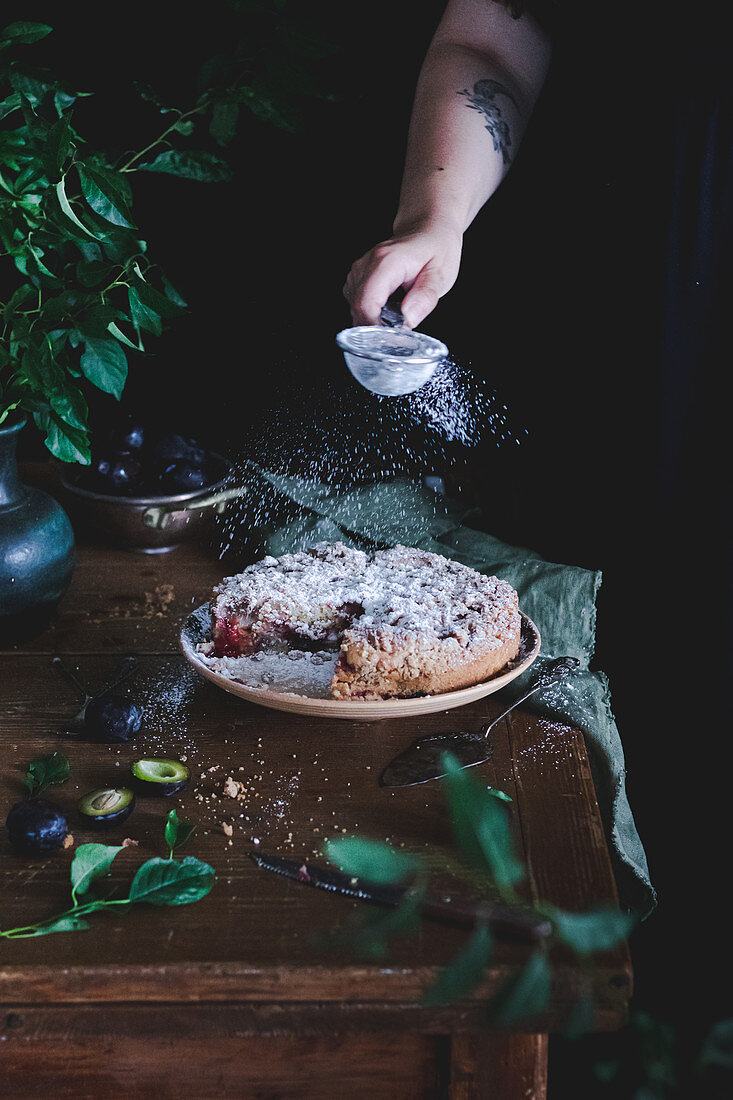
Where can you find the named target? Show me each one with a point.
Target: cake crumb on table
(232, 788)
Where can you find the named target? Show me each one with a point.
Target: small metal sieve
(390, 359)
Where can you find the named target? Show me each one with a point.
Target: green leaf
(167, 882)
(171, 829)
(717, 1048)
(177, 831)
(20, 294)
(581, 1018)
(596, 930)
(190, 164)
(61, 307)
(63, 99)
(33, 175)
(104, 363)
(9, 104)
(143, 317)
(464, 974)
(90, 862)
(61, 394)
(32, 92)
(525, 995)
(265, 104)
(25, 33)
(172, 294)
(94, 321)
(164, 304)
(56, 147)
(370, 859)
(65, 923)
(46, 771)
(14, 150)
(108, 193)
(66, 207)
(117, 332)
(93, 272)
(480, 824)
(147, 92)
(120, 245)
(184, 126)
(65, 442)
(36, 266)
(223, 125)
(501, 795)
(7, 409)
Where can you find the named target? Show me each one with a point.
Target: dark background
(568, 307)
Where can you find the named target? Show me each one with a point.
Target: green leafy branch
(270, 67)
(482, 831)
(157, 882)
(88, 292)
(89, 296)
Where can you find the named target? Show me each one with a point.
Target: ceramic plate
(196, 630)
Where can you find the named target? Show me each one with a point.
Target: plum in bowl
(148, 492)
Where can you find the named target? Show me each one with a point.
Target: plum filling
(231, 640)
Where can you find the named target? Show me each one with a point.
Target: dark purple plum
(112, 720)
(175, 448)
(36, 827)
(124, 474)
(183, 477)
(99, 471)
(128, 437)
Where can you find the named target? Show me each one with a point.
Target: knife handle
(505, 921)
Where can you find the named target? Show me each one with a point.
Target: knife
(509, 922)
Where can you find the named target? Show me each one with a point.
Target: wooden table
(235, 995)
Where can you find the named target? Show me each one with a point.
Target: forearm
(477, 87)
(472, 104)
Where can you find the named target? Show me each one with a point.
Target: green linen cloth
(560, 599)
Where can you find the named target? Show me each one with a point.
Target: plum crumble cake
(405, 621)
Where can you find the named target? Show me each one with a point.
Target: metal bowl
(150, 524)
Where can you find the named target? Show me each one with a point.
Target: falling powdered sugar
(453, 405)
(330, 432)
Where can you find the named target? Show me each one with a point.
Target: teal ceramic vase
(36, 548)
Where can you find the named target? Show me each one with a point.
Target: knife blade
(509, 922)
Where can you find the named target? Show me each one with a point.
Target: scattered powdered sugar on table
(166, 696)
(553, 748)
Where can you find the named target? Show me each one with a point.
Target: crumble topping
(317, 593)
(404, 622)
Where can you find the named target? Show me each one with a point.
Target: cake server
(511, 922)
(423, 760)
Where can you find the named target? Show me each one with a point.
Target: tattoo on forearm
(483, 100)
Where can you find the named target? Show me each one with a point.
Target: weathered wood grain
(242, 993)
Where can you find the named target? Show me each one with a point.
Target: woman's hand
(424, 261)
